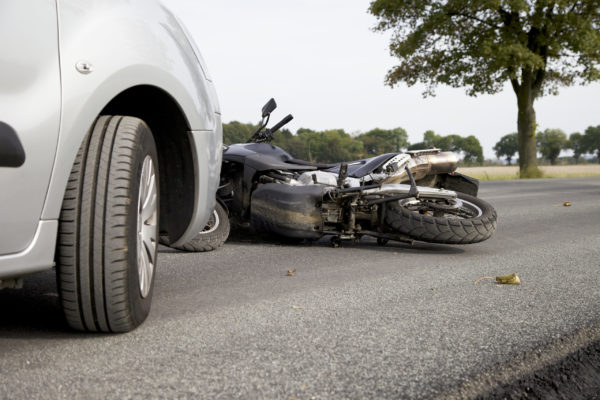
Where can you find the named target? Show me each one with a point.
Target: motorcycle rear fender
(459, 183)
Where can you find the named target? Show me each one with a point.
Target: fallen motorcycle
(396, 196)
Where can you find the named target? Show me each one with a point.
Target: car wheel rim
(146, 226)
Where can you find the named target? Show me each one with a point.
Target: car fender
(108, 46)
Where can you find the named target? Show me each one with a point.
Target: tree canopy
(379, 141)
(536, 45)
(576, 143)
(591, 140)
(507, 146)
(469, 146)
(336, 145)
(551, 142)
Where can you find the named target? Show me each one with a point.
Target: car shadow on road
(33, 311)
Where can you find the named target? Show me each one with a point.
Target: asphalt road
(360, 321)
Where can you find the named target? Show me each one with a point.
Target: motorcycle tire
(215, 233)
(445, 229)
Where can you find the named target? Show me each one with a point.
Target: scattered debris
(567, 204)
(16, 283)
(512, 279)
(291, 272)
(297, 308)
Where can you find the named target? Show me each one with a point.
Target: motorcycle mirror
(268, 108)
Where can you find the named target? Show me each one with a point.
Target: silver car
(110, 139)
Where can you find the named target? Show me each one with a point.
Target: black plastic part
(11, 150)
(281, 123)
(263, 157)
(259, 136)
(269, 107)
(459, 183)
(291, 211)
(361, 168)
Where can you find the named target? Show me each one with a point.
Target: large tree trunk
(526, 127)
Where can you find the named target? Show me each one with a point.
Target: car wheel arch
(170, 129)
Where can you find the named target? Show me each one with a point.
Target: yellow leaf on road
(512, 279)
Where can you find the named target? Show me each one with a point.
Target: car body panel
(156, 54)
(207, 148)
(125, 44)
(30, 101)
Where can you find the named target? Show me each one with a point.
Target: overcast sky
(323, 63)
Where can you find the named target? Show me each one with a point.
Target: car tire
(107, 239)
(215, 233)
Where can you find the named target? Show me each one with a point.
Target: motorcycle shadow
(365, 243)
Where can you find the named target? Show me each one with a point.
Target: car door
(30, 101)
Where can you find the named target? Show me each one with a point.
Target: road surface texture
(360, 321)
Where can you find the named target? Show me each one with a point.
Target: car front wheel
(108, 232)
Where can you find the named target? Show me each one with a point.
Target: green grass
(550, 171)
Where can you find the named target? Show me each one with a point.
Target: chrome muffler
(421, 163)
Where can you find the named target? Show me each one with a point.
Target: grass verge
(512, 172)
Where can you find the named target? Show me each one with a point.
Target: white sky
(323, 63)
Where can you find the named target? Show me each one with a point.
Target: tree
(507, 146)
(237, 132)
(536, 45)
(417, 146)
(591, 140)
(380, 141)
(328, 146)
(576, 143)
(472, 150)
(551, 142)
(446, 143)
(469, 146)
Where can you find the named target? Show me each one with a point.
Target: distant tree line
(336, 145)
(551, 142)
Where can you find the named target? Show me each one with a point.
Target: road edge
(503, 380)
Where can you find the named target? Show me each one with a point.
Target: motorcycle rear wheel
(472, 220)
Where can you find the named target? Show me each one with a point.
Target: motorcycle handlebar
(281, 123)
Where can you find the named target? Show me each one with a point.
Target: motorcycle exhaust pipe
(420, 165)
